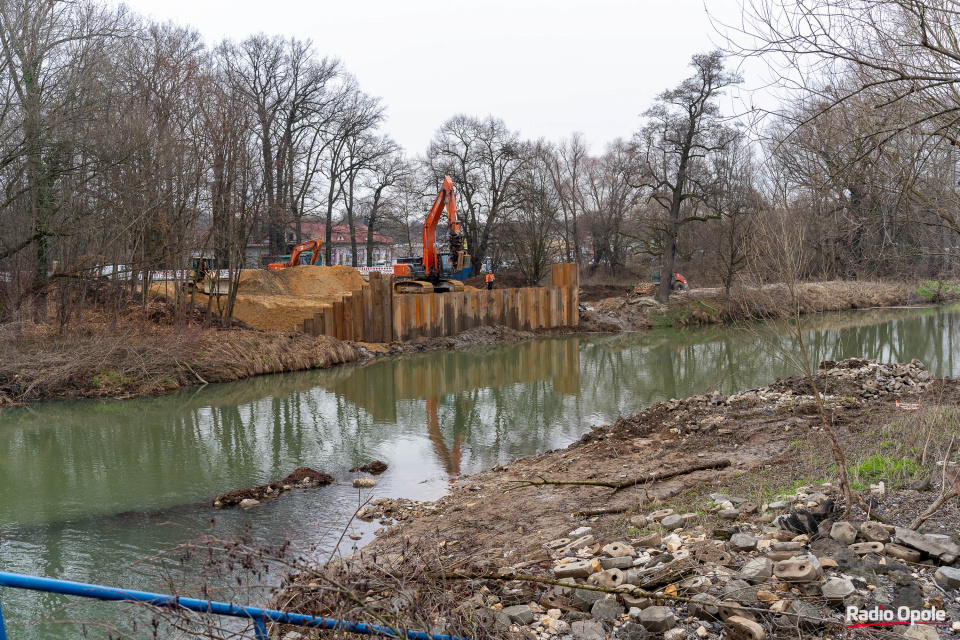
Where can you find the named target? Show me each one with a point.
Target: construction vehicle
(678, 283)
(436, 272)
(304, 253)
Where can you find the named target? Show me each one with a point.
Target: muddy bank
(590, 515)
(136, 359)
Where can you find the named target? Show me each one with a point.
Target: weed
(879, 467)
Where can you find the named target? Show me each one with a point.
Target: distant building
(258, 251)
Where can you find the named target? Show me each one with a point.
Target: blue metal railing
(260, 617)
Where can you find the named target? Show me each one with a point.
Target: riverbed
(90, 488)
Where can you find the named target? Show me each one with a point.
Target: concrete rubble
(786, 568)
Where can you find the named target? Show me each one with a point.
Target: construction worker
(490, 279)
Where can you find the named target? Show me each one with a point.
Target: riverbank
(135, 359)
(746, 484)
(142, 353)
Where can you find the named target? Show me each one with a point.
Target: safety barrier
(260, 617)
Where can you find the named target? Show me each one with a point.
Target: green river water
(88, 489)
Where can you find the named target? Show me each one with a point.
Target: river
(91, 488)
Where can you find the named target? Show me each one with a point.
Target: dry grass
(135, 359)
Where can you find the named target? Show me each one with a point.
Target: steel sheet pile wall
(374, 314)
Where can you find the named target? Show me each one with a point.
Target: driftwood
(625, 484)
(625, 589)
(950, 488)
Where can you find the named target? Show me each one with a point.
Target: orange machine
(309, 245)
(435, 271)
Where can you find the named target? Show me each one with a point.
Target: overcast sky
(548, 68)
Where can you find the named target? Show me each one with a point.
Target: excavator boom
(309, 245)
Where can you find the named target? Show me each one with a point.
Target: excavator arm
(444, 200)
(309, 245)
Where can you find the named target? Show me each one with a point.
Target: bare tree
(483, 157)
(567, 167)
(530, 232)
(684, 129)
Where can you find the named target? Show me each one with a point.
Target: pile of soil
(301, 477)
(376, 467)
(595, 292)
(308, 476)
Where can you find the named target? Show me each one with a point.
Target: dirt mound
(259, 282)
(376, 467)
(304, 280)
(597, 292)
(306, 476)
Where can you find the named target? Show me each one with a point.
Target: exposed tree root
(624, 484)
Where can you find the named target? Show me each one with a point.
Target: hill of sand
(280, 299)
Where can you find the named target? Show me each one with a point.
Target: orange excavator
(435, 272)
(309, 245)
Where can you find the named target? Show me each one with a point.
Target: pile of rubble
(758, 578)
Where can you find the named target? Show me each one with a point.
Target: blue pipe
(259, 616)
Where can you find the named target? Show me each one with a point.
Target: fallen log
(624, 484)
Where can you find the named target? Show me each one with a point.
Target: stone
(577, 544)
(583, 599)
(801, 569)
(657, 619)
(948, 578)
(863, 548)
(902, 553)
(636, 602)
(740, 591)
(704, 606)
(580, 532)
(757, 570)
(619, 550)
(787, 546)
(248, 503)
(363, 483)
(779, 504)
(702, 632)
(695, 584)
(609, 579)
(766, 596)
(743, 542)
(575, 569)
(648, 542)
(739, 628)
(921, 632)
(639, 521)
(945, 550)
(804, 614)
(616, 563)
(631, 630)
(521, 614)
(660, 514)
(748, 508)
(673, 542)
(837, 588)
(675, 634)
(874, 532)
(728, 514)
(587, 630)
(672, 522)
(729, 608)
(606, 609)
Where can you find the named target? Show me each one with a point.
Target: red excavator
(309, 245)
(435, 272)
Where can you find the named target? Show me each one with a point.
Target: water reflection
(68, 469)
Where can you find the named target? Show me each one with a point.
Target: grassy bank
(707, 306)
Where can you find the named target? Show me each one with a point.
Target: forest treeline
(128, 142)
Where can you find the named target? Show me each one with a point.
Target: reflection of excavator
(451, 459)
(435, 271)
(309, 245)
